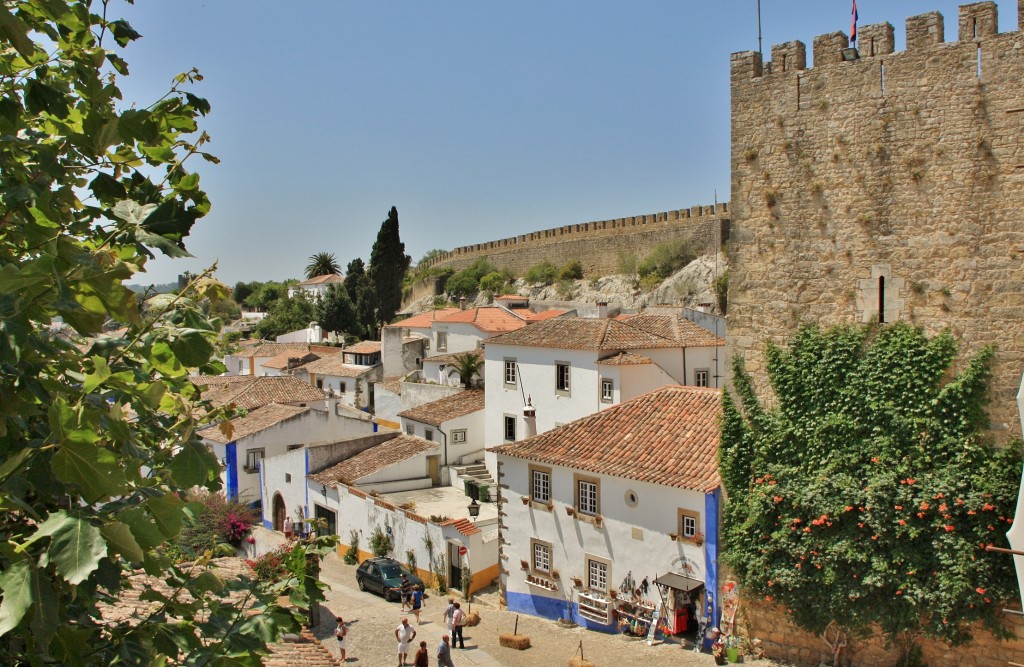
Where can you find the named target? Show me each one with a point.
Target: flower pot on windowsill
(526, 500)
(577, 582)
(523, 564)
(551, 506)
(612, 593)
(698, 539)
(555, 574)
(570, 511)
(598, 520)
(673, 536)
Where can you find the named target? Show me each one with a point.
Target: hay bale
(577, 661)
(472, 619)
(518, 642)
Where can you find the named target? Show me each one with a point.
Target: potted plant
(673, 536)
(523, 564)
(577, 582)
(526, 500)
(551, 506)
(598, 520)
(571, 511)
(613, 593)
(698, 538)
(555, 574)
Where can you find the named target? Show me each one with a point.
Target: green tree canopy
(97, 447)
(288, 314)
(388, 265)
(360, 293)
(337, 313)
(868, 492)
(322, 264)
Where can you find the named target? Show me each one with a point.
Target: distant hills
(153, 289)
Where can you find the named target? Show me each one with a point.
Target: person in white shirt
(404, 633)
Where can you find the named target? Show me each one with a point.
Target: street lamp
(474, 508)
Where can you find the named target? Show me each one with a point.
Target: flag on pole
(853, 23)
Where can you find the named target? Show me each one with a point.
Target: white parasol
(1015, 536)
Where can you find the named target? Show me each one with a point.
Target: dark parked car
(384, 576)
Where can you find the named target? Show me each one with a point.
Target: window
(428, 433)
(562, 376)
(459, 436)
(341, 388)
(597, 574)
(689, 523)
(252, 459)
(239, 366)
(606, 391)
(442, 341)
(510, 427)
(510, 371)
(587, 496)
(540, 484)
(319, 383)
(541, 556)
(700, 377)
(410, 429)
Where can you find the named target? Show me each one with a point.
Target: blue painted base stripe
(554, 609)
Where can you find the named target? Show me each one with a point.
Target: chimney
(602, 309)
(462, 303)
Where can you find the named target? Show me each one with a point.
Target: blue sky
(478, 119)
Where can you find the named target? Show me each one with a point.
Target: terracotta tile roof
(335, 366)
(625, 359)
(543, 315)
(258, 420)
(464, 526)
(273, 349)
(488, 319)
(363, 347)
(214, 380)
(323, 350)
(328, 279)
(295, 358)
(400, 448)
(676, 328)
(254, 391)
(668, 436)
(291, 651)
(583, 333)
(450, 358)
(392, 384)
(511, 297)
(423, 320)
(437, 412)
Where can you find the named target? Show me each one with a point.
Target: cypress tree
(388, 264)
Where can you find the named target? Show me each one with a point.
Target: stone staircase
(478, 473)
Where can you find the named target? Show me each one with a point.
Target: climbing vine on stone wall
(867, 492)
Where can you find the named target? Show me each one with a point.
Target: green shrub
(571, 271)
(667, 258)
(380, 543)
(543, 273)
(494, 283)
(352, 555)
(566, 289)
(722, 291)
(270, 566)
(467, 282)
(410, 560)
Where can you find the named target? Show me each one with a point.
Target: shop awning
(679, 582)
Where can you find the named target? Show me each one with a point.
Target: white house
(597, 507)
(352, 383)
(440, 368)
(556, 371)
(250, 361)
(463, 330)
(456, 421)
(274, 429)
(316, 287)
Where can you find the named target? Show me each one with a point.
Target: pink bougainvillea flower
(979, 590)
(899, 507)
(949, 529)
(925, 506)
(848, 508)
(777, 499)
(902, 522)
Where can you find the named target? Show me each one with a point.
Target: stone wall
(783, 641)
(597, 245)
(891, 185)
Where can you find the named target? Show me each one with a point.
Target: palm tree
(466, 364)
(322, 264)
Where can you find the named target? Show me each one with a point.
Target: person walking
(417, 603)
(404, 633)
(444, 653)
(458, 623)
(448, 613)
(404, 591)
(422, 656)
(341, 632)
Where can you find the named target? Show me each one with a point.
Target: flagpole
(759, 27)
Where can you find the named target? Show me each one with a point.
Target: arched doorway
(279, 512)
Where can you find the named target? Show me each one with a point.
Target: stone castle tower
(883, 186)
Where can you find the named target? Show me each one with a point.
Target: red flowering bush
(216, 520)
(874, 468)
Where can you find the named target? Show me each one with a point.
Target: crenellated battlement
(883, 185)
(683, 218)
(977, 22)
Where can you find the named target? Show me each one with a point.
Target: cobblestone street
(372, 623)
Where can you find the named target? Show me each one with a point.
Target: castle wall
(597, 245)
(891, 185)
